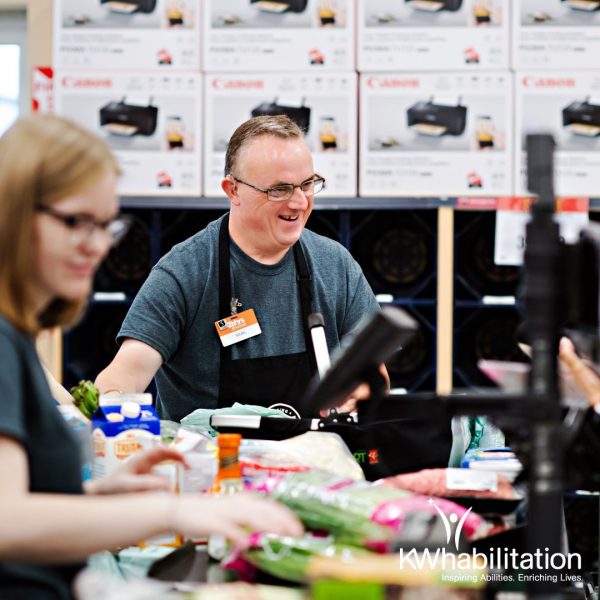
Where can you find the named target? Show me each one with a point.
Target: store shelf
(321, 202)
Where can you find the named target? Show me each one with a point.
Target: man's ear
(229, 186)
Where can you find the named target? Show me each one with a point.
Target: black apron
(273, 380)
(381, 448)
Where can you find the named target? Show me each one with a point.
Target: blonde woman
(58, 219)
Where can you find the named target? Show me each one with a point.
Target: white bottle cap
(130, 410)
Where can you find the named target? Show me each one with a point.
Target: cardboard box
(433, 35)
(117, 435)
(438, 134)
(325, 104)
(126, 34)
(279, 35)
(565, 104)
(150, 122)
(562, 34)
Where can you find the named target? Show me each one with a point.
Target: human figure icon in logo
(448, 519)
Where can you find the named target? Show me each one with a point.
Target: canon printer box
(324, 106)
(127, 34)
(556, 34)
(150, 122)
(565, 104)
(439, 134)
(278, 35)
(433, 35)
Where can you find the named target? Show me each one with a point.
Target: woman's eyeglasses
(82, 226)
(284, 191)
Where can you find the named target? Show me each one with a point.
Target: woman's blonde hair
(43, 159)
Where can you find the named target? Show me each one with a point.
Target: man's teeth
(288, 218)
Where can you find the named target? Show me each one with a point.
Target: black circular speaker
(399, 256)
(131, 260)
(395, 253)
(475, 260)
(494, 339)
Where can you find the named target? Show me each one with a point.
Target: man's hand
(361, 392)
(135, 474)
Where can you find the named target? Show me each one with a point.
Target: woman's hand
(235, 517)
(135, 474)
(584, 376)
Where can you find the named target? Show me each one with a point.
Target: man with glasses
(222, 318)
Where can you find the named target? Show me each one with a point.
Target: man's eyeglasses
(284, 191)
(82, 227)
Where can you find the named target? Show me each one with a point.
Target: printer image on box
(128, 7)
(435, 5)
(428, 118)
(121, 118)
(276, 6)
(299, 114)
(585, 5)
(582, 118)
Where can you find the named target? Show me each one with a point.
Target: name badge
(237, 328)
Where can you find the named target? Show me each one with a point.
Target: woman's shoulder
(9, 334)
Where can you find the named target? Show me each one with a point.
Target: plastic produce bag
(357, 513)
(311, 450)
(199, 420)
(288, 558)
(469, 433)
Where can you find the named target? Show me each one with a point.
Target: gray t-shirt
(176, 308)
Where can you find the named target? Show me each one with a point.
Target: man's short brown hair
(279, 126)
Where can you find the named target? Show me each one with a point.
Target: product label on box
(42, 90)
(150, 122)
(324, 106)
(437, 134)
(136, 34)
(434, 35)
(565, 104)
(466, 479)
(511, 221)
(265, 35)
(556, 35)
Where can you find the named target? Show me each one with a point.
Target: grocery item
(124, 424)
(229, 481)
(86, 398)
(229, 476)
(358, 513)
(288, 558)
(434, 482)
(311, 450)
(498, 460)
(81, 428)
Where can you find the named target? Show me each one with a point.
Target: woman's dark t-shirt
(28, 415)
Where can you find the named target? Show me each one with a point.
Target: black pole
(542, 300)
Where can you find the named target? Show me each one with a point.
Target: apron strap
(304, 279)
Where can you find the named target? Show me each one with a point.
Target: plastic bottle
(229, 481)
(229, 476)
(81, 428)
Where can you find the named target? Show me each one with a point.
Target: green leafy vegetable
(85, 398)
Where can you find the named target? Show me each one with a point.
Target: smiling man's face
(262, 228)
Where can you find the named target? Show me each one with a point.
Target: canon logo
(76, 82)
(389, 82)
(548, 82)
(238, 84)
